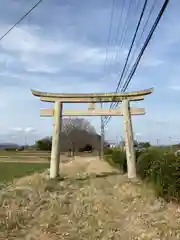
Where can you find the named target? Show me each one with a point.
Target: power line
(145, 25)
(120, 18)
(124, 30)
(109, 35)
(142, 51)
(25, 15)
(130, 49)
(139, 40)
(125, 86)
(109, 32)
(132, 43)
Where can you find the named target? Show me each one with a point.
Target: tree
(70, 124)
(79, 132)
(76, 134)
(144, 144)
(44, 144)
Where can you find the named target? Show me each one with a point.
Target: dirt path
(88, 165)
(92, 202)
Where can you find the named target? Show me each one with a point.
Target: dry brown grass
(93, 201)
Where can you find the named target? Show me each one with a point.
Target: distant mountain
(8, 145)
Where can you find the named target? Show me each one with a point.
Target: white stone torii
(91, 98)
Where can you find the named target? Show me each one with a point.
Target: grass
(90, 203)
(9, 171)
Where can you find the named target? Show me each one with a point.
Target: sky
(62, 46)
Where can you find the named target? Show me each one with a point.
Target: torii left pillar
(56, 150)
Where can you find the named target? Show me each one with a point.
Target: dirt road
(92, 201)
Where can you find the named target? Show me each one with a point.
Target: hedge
(160, 169)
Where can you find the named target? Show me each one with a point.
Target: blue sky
(61, 47)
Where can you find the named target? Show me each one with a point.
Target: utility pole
(121, 145)
(117, 142)
(157, 141)
(102, 137)
(170, 143)
(25, 140)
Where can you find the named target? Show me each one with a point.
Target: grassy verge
(154, 166)
(9, 171)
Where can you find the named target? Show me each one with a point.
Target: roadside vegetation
(155, 166)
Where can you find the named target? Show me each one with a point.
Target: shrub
(108, 151)
(119, 159)
(145, 161)
(163, 171)
(165, 177)
(10, 149)
(160, 168)
(138, 153)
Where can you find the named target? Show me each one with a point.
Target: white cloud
(175, 87)
(6, 58)
(23, 130)
(17, 129)
(30, 130)
(25, 39)
(33, 51)
(41, 68)
(149, 61)
(138, 134)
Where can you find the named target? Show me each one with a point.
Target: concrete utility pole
(117, 142)
(25, 140)
(170, 143)
(102, 137)
(129, 142)
(55, 152)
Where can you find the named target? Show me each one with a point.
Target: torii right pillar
(129, 141)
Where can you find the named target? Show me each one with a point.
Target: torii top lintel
(92, 97)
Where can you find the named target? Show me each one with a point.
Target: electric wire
(124, 31)
(139, 40)
(24, 16)
(132, 43)
(125, 86)
(109, 33)
(108, 38)
(130, 49)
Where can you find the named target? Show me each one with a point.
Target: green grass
(9, 171)
(25, 152)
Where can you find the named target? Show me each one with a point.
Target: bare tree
(69, 124)
(77, 131)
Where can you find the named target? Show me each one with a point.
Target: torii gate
(92, 98)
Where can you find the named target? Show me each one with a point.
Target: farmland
(9, 171)
(18, 164)
(24, 156)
